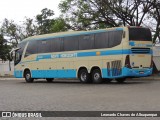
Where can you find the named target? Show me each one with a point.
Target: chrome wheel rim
(28, 76)
(83, 76)
(96, 76)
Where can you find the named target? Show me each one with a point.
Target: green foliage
(4, 49)
(155, 15)
(12, 31)
(45, 21)
(91, 14)
(59, 25)
(29, 28)
(47, 24)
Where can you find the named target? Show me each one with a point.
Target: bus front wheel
(120, 80)
(49, 80)
(28, 77)
(96, 76)
(84, 76)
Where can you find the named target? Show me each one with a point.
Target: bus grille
(108, 69)
(140, 50)
(116, 68)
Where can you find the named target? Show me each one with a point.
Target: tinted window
(44, 46)
(115, 38)
(86, 42)
(140, 34)
(32, 48)
(101, 40)
(56, 45)
(70, 43)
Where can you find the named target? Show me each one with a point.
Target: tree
(4, 49)
(59, 25)
(29, 28)
(155, 14)
(91, 14)
(11, 31)
(45, 21)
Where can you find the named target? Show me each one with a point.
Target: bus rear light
(127, 62)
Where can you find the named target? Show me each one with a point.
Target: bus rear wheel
(28, 78)
(84, 76)
(96, 76)
(120, 80)
(49, 80)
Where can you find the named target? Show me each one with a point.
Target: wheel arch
(26, 69)
(95, 67)
(80, 68)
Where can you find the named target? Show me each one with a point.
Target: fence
(5, 69)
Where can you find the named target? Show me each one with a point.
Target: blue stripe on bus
(71, 73)
(132, 43)
(73, 34)
(18, 73)
(85, 54)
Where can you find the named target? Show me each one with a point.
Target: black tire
(120, 80)
(84, 76)
(49, 80)
(96, 76)
(28, 78)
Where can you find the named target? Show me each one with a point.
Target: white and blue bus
(92, 56)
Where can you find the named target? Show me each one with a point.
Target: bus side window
(86, 42)
(101, 40)
(115, 38)
(71, 43)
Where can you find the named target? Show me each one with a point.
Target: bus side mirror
(12, 54)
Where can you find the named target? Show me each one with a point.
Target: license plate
(141, 72)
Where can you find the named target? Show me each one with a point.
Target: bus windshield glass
(140, 34)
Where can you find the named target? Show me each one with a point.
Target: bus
(91, 56)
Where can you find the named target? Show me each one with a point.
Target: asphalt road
(71, 95)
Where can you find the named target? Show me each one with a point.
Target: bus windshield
(140, 34)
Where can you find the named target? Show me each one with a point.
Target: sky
(17, 10)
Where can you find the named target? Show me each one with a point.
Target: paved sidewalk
(10, 78)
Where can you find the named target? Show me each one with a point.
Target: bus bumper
(136, 72)
(18, 74)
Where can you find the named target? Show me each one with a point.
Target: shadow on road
(78, 82)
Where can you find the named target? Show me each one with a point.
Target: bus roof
(70, 33)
